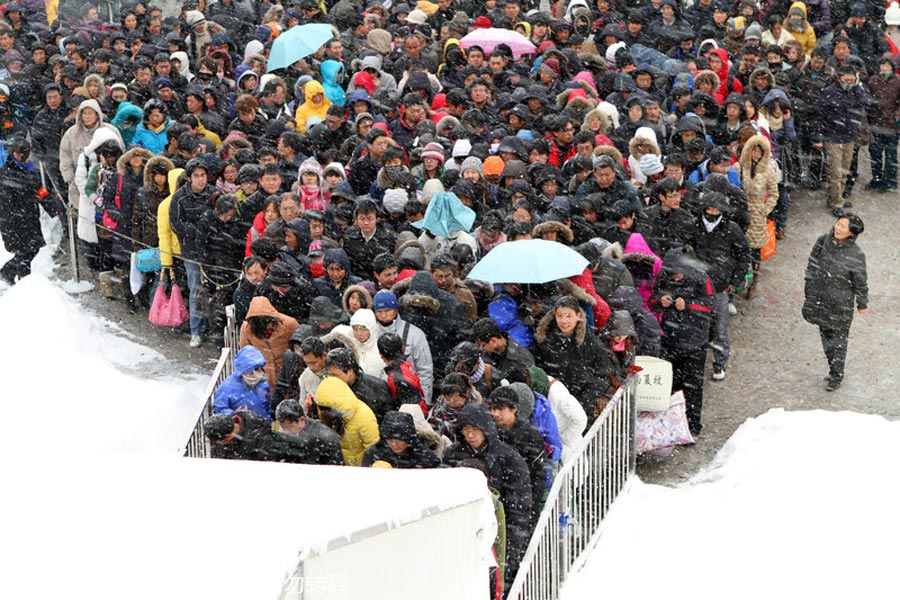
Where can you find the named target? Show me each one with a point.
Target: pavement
(776, 357)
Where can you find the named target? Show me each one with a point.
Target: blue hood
(332, 77)
(248, 359)
(360, 95)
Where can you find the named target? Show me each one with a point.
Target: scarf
(775, 123)
(479, 372)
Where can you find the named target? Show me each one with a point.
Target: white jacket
(570, 417)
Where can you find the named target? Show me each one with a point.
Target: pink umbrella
(488, 39)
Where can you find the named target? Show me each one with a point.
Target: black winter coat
(580, 361)
(724, 251)
(185, 212)
(121, 211)
(400, 426)
(835, 279)
(219, 244)
(361, 251)
(609, 276)
(683, 330)
(375, 394)
(527, 441)
(507, 473)
(255, 441)
(294, 303)
(438, 314)
(516, 358)
(20, 216)
(50, 125)
(316, 445)
(668, 229)
(645, 324)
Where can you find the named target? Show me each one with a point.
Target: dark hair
(259, 324)
(365, 207)
(383, 261)
(456, 383)
(664, 186)
(413, 207)
(343, 359)
(289, 410)
(675, 158)
(392, 154)
(292, 140)
(720, 154)
(254, 260)
(444, 262)
(312, 345)
(485, 330)
(264, 248)
(855, 222)
(567, 302)
(390, 346)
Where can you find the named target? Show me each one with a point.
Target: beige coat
(761, 188)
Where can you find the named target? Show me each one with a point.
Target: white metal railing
(197, 445)
(579, 499)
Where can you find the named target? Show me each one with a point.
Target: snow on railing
(579, 499)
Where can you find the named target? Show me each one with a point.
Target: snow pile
(81, 387)
(149, 527)
(796, 504)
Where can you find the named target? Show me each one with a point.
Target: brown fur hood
(565, 99)
(156, 160)
(548, 321)
(562, 230)
(569, 288)
(383, 181)
(610, 151)
(342, 335)
(363, 292)
(122, 163)
(757, 141)
(401, 290)
(414, 243)
(709, 76)
(637, 140)
(447, 123)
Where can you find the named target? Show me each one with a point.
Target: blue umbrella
(528, 261)
(298, 42)
(445, 215)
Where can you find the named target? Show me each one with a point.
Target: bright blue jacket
(233, 393)
(150, 140)
(544, 421)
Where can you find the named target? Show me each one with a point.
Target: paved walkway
(776, 357)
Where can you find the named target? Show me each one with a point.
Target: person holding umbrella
(835, 279)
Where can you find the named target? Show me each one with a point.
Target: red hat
(483, 22)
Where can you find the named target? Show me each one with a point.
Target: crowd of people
(340, 202)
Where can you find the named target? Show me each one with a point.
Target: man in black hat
(49, 122)
(288, 291)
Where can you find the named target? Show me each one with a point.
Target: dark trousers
(18, 266)
(687, 375)
(834, 342)
(883, 154)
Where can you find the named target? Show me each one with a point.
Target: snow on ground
(149, 527)
(76, 380)
(795, 505)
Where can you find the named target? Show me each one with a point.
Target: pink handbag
(168, 311)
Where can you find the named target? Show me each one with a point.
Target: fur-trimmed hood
(343, 335)
(547, 326)
(362, 291)
(414, 243)
(764, 165)
(710, 77)
(422, 293)
(447, 123)
(610, 151)
(763, 71)
(550, 226)
(155, 160)
(570, 288)
(122, 163)
(643, 135)
(585, 99)
(383, 181)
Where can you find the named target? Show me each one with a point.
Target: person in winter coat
(96, 169)
(498, 349)
(455, 392)
(721, 246)
(288, 291)
(361, 336)
(169, 246)
(399, 375)
(187, 207)
(120, 197)
(759, 181)
(643, 264)
(20, 195)
(885, 87)
(571, 420)
(646, 324)
(400, 445)
(49, 121)
(268, 331)
(840, 112)
(316, 105)
(436, 313)
(835, 280)
(341, 362)
(668, 224)
(360, 429)
(795, 23)
(304, 440)
(366, 239)
(151, 132)
(565, 348)
(620, 340)
(240, 435)
(337, 276)
(607, 272)
(683, 293)
(88, 119)
(523, 438)
(728, 84)
(246, 388)
(507, 472)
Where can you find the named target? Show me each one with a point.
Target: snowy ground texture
(795, 505)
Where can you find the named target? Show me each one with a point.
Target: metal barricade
(197, 445)
(232, 331)
(579, 499)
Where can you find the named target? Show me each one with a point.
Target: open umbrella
(445, 215)
(487, 40)
(298, 42)
(528, 261)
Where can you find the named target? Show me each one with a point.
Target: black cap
(218, 426)
(504, 396)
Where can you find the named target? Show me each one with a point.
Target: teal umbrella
(528, 261)
(298, 42)
(445, 215)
